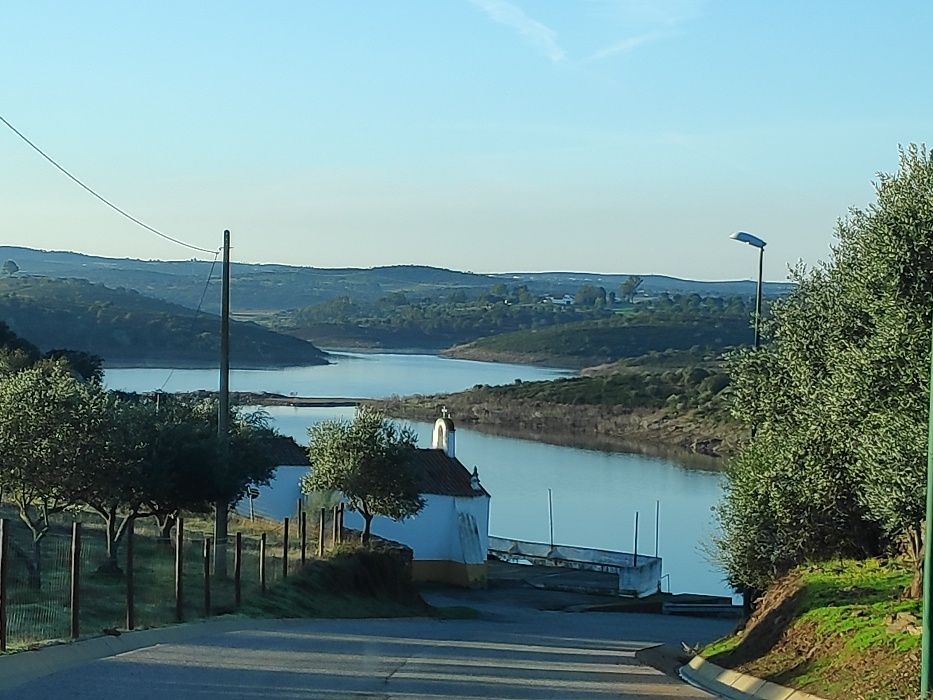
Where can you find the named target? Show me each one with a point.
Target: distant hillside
(265, 288)
(124, 326)
(587, 343)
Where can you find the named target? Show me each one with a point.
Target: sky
(627, 136)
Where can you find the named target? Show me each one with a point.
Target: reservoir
(595, 494)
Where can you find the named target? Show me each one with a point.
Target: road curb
(24, 666)
(733, 685)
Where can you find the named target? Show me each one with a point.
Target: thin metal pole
(304, 537)
(223, 417)
(262, 562)
(635, 548)
(926, 637)
(761, 261)
(320, 534)
(550, 516)
(657, 526)
(76, 581)
(285, 549)
(179, 569)
(4, 545)
(207, 577)
(130, 583)
(237, 569)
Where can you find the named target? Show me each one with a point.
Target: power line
(101, 197)
(197, 311)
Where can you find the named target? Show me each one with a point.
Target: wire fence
(68, 582)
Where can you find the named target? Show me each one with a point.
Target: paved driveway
(513, 651)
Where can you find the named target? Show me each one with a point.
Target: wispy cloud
(626, 45)
(536, 33)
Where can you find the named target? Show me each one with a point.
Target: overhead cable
(101, 197)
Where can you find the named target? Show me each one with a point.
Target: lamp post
(755, 241)
(926, 637)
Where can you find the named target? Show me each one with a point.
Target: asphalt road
(515, 650)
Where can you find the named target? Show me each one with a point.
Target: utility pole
(223, 417)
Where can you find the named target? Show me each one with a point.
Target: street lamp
(755, 241)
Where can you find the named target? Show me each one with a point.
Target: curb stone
(733, 685)
(24, 666)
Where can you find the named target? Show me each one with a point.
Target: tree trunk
(166, 522)
(110, 565)
(913, 545)
(34, 567)
(367, 527)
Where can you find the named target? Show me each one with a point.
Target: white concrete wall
(447, 529)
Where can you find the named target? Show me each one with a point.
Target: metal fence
(65, 585)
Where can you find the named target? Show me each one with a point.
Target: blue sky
(489, 135)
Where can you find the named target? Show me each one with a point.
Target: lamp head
(745, 237)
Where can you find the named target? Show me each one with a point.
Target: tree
(10, 268)
(839, 395)
(630, 288)
(369, 460)
(49, 429)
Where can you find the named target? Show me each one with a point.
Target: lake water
(595, 494)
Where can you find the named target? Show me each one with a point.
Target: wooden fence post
(179, 569)
(340, 524)
(130, 583)
(76, 581)
(320, 534)
(4, 546)
(303, 528)
(207, 577)
(262, 562)
(336, 535)
(237, 567)
(285, 549)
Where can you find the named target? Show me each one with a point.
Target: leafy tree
(10, 268)
(88, 365)
(369, 460)
(630, 287)
(49, 438)
(839, 396)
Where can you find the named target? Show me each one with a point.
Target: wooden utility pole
(223, 417)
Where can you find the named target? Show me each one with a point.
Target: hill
(619, 407)
(124, 326)
(596, 342)
(267, 288)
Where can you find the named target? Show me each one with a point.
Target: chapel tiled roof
(443, 475)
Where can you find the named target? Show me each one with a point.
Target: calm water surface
(596, 494)
(354, 375)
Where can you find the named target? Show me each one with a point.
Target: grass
(825, 629)
(41, 616)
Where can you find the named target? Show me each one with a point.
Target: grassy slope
(824, 629)
(122, 325)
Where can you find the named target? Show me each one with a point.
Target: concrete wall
(448, 538)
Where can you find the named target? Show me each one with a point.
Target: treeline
(66, 443)
(838, 399)
(122, 325)
(672, 323)
(398, 320)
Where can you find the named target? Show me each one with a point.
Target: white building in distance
(449, 537)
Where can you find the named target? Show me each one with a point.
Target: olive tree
(50, 425)
(838, 396)
(369, 461)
